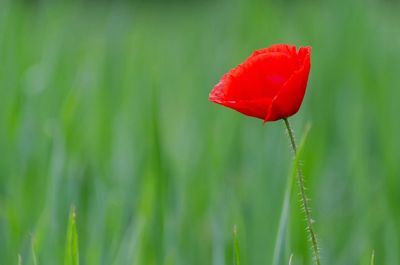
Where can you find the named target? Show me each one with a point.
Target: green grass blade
(290, 259)
(373, 257)
(236, 246)
(34, 257)
(284, 217)
(71, 248)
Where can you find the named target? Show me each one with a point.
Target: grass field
(104, 107)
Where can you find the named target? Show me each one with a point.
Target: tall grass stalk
(284, 217)
(303, 197)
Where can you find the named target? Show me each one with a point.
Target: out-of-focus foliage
(104, 106)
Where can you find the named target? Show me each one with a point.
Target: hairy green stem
(304, 200)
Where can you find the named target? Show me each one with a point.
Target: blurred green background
(104, 106)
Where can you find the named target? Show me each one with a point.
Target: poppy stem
(303, 199)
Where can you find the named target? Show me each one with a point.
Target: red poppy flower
(269, 85)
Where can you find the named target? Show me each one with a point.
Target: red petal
(280, 48)
(289, 99)
(258, 108)
(261, 76)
